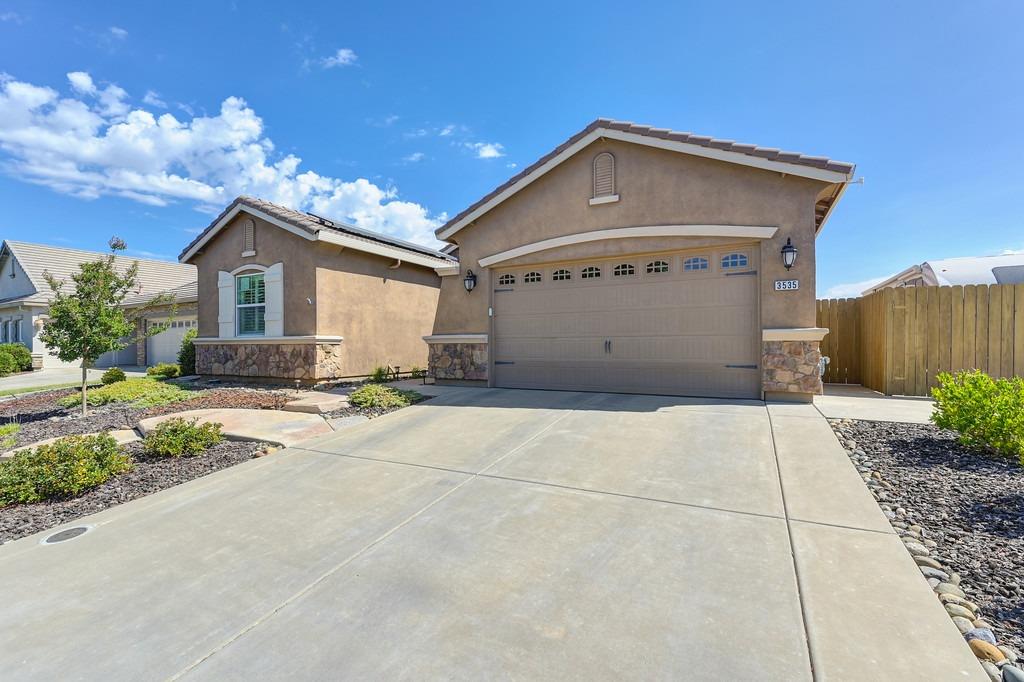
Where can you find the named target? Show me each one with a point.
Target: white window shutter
(273, 317)
(604, 175)
(226, 305)
(248, 238)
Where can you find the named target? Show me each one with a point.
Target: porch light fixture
(788, 254)
(469, 281)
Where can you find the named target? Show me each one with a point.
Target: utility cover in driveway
(673, 324)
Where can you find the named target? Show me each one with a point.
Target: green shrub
(164, 370)
(187, 352)
(7, 433)
(180, 438)
(113, 375)
(417, 372)
(63, 468)
(987, 413)
(380, 375)
(8, 365)
(21, 354)
(376, 395)
(139, 392)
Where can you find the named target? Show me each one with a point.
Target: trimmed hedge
(380, 396)
(63, 468)
(140, 392)
(987, 413)
(113, 375)
(164, 370)
(178, 437)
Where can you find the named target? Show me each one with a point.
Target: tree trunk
(85, 379)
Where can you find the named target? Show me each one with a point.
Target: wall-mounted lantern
(788, 254)
(469, 281)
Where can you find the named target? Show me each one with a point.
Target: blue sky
(396, 115)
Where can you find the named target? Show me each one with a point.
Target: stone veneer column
(791, 367)
(140, 344)
(457, 360)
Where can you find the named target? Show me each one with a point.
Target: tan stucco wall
(656, 187)
(273, 245)
(383, 314)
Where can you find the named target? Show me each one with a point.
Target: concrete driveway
(56, 376)
(496, 534)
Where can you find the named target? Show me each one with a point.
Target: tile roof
(768, 153)
(313, 224)
(155, 276)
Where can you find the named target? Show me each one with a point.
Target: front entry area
(679, 323)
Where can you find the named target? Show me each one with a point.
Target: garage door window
(590, 272)
(732, 261)
(561, 275)
(624, 270)
(506, 280)
(250, 301)
(532, 277)
(657, 267)
(695, 264)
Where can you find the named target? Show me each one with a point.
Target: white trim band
(447, 270)
(215, 340)
(608, 199)
(795, 334)
(736, 231)
(456, 338)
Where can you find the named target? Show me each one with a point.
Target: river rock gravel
(969, 505)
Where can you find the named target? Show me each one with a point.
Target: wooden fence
(897, 340)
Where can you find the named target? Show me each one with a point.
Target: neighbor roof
(818, 167)
(155, 276)
(1005, 269)
(313, 227)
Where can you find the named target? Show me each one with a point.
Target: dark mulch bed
(149, 475)
(971, 504)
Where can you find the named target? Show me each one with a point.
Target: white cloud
(12, 17)
(82, 83)
(415, 157)
(447, 130)
(118, 32)
(153, 99)
(1011, 252)
(92, 144)
(487, 150)
(853, 289)
(343, 57)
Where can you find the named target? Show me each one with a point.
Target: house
(288, 294)
(636, 259)
(1007, 269)
(25, 297)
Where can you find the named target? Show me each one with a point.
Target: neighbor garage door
(163, 347)
(675, 324)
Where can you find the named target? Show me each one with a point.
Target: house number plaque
(787, 284)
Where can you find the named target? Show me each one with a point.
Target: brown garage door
(674, 324)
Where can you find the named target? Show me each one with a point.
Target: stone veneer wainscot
(309, 360)
(791, 367)
(457, 358)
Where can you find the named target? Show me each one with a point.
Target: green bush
(187, 352)
(987, 413)
(380, 375)
(61, 469)
(164, 370)
(7, 433)
(8, 365)
(180, 438)
(417, 372)
(21, 354)
(113, 375)
(376, 395)
(139, 392)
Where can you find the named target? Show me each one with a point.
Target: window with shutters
(604, 179)
(695, 264)
(590, 272)
(624, 270)
(656, 267)
(506, 280)
(532, 277)
(249, 238)
(251, 304)
(561, 275)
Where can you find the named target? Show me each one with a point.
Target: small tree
(89, 321)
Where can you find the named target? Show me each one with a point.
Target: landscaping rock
(984, 634)
(930, 572)
(986, 651)
(950, 588)
(1011, 654)
(957, 610)
(962, 624)
(1012, 673)
(916, 548)
(927, 561)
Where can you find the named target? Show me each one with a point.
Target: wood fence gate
(896, 341)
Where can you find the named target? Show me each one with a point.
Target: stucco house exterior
(637, 259)
(291, 295)
(25, 297)
(1004, 269)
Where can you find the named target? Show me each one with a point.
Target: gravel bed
(149, 475)
(963, 505)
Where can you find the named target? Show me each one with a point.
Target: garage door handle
(742, 366)
(741, 274)
(504, 362)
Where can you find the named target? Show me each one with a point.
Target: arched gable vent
(604, 175)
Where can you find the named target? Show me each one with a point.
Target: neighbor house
(292, 295)
(1006, 269)
(25, 298)
(637, 259)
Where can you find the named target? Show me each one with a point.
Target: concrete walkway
(490, 533)
(42, 378)
(856, 402)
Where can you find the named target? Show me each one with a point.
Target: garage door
(164, 347)
(674, 324)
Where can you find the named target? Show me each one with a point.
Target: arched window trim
(624, 270)
(508, 279)
(590, 272)
(561, 275)
(532, 277)
(696, 264)
(734, 260)
(657, 267)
